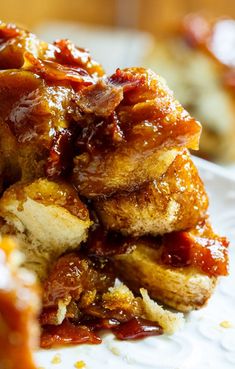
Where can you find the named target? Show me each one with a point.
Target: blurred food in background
(194, 54)
(198, 61)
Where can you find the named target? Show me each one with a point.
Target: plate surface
(207, 339)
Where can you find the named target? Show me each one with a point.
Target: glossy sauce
(67, 333)
(137, 328)
(200, 248)
(102, 243)
(72, 275)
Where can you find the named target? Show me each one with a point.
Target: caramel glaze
(81, 281)
(61, 115)
(82, 284)
(38, 82)
(57, 193)
(199, 247)
(59, 106)
(148, 119)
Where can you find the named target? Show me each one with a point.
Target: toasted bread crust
(120, 171)
(183, 289)
(47, 217)
(175, 201)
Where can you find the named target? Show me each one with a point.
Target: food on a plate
(197, 60)
(175, 201)
(81, 298)
(19, 310)
(97, 184)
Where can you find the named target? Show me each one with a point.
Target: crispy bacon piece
(127, 80)
(68, 54)
(102, 243)
(67, 333)
(52, 71)
(100, 99)
(200, 247)
(137, 328)
(72, 275)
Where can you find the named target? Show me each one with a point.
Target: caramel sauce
(67, 333)
(47, 90)
(56, 87)
(137, 328)
(73, 274)
(102, 243)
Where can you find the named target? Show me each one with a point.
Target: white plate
(202, 343)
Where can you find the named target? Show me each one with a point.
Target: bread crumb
(115, 350)
(80, 364)
(56, 359)
(170, 322)
(226, 324)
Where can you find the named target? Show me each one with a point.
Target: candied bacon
(60, 157)
(52, 71)
(127, 79)
(72, 275)
(100, 134)
(201, 248)
(102, 243)
(137, 328)
(97, 324)
(100, 99)
(67, 333)
(68, 54)
(177, 249)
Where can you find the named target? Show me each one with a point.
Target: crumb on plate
(80, 364)
(226, 324)
(56, 359)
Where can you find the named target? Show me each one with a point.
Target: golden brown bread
(175, 201)
(119, 171)
(183, 289)
(147, 124)
(47, 217)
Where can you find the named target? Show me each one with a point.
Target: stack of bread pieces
(97, 183)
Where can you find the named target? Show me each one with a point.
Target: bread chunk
(121, 150)
(183, 289)
(175, 201)
(49, 219)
